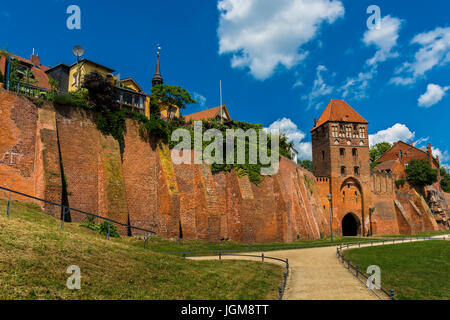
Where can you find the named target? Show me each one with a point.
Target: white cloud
(444, 156)
(262, 34)
(398, 132)
(201, 100)
(358, 86)
(319, 89)
(434, 94)
(294, 134)
(434, 51)
(385, 39)
(420, 141)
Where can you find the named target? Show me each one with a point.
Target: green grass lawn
(416, 270)
(420, 234)
(166, 246)
(35, 254)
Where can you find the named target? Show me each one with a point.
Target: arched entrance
(350, 226)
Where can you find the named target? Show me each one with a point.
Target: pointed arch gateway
(351, 226)
(353, 207)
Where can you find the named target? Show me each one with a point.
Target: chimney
(430, 154)
(316, 121)
(35, 60)
(412, 143)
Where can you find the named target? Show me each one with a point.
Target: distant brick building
(404, 153)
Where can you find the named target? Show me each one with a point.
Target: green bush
(101, 228)
(155, 128)
(400, 183)
(419, 173)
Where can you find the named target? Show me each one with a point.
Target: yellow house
(86, 67)
(129, 94)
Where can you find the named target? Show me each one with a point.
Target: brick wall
(18, 124)
(147, 189)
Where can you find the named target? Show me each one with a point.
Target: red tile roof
(339, 111)
(38, 72)
(207, 114)
(386, 165)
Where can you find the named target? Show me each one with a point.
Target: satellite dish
(78, 51)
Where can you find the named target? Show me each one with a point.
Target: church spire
(157, 78)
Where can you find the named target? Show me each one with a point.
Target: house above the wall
(29, 71)
(220, 112)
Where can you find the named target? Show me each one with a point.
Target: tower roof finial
(157, 78)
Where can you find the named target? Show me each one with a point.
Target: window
(348, 131)
(342, 152)
(401, 154)
(356, 171)
(343, 171)
(323, 155)
(356, 196)
(335, 131)
(355, 152)
(75, 76)
(341, 129)
(343, 196)
(362, 132)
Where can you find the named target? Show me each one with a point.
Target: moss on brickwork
(115, 188)
(310, 184)
(167, 167)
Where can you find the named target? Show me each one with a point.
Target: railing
(268, 248)
(354, 269)
(220, 254)
(28, 89)
(66, 211)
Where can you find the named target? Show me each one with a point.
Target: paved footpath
(317, 274)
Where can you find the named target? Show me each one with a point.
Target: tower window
(334, 131)
(356, 171)
(323, 155)
(348, 131)
(355, 152)
(342, 152)
(356, 196)
(343, 171)
(362, 132)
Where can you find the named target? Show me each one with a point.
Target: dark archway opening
(350, 226)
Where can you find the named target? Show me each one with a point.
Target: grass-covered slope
(416, 270)
(35, 254)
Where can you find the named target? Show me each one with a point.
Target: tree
(445, 180)
(307, 164)
(378, 150)
(102, 93)
(53, 83)
(164, 96)
(419, 173)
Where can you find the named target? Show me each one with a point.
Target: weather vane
(158, 47)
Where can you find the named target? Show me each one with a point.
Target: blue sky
(280, 61)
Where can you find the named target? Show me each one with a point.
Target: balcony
(130, 99)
